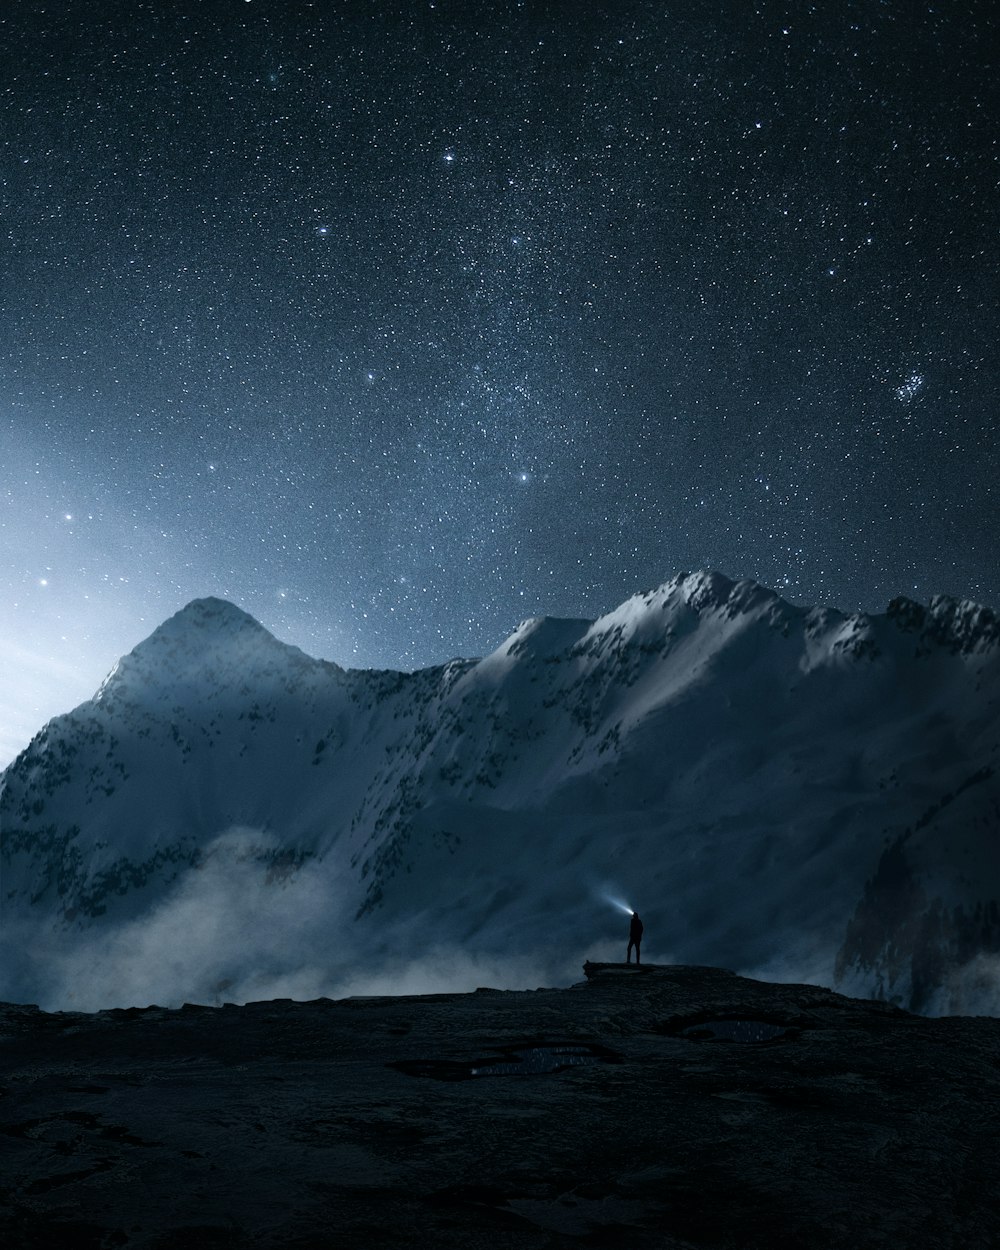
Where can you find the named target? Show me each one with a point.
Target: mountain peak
(211, 613)
(201, 625)
(708, 589)
(207, 635)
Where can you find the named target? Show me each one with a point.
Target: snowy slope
(776, 789)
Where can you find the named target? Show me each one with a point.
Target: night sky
(398, 323)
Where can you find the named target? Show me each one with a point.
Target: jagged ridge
(736, 760)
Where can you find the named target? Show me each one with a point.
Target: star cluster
(396, 323)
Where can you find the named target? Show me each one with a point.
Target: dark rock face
(650, 1120)
(903, 939)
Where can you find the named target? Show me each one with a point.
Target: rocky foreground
(672, 1107)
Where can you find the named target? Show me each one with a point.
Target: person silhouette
(634, 938)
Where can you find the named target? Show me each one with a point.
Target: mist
(234, 930)
(237, 928)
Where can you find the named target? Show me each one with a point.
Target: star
(594, 313)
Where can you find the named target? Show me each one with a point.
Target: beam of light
(612, 901)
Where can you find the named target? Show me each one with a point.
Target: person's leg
(628, 953)
(637, 949)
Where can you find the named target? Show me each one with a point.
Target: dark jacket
(635, 929)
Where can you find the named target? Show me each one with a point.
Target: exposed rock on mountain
(664, 1110)
(753, 776)
(914, 935)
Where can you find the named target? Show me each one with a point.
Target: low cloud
(235, 930)
(973, 989)
(244, 925)
(812, 965)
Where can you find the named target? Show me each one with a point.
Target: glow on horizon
(38, 685)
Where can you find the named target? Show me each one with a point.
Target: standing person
(634, 938)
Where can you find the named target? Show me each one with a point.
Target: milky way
(397, 323)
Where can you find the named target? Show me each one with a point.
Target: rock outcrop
(666, 1108)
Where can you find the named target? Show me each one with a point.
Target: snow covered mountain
(778, 790)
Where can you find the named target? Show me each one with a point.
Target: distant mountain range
(794, 792)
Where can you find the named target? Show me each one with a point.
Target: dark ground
(286, 1124)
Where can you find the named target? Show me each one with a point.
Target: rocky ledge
(662, 1107)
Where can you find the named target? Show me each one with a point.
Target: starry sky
(396, 323)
